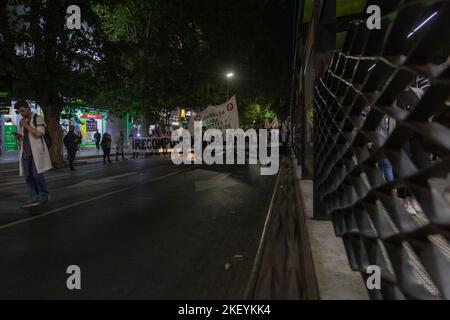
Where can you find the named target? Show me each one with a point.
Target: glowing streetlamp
(229, 75)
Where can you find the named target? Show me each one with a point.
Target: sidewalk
(85, 152)
(301, 258)
(335, 279)
(9, 163)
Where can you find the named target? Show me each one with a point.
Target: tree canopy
(143, 56)
(164, 54)
(46, 60)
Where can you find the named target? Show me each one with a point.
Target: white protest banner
(222, 117)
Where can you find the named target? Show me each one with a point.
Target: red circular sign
(230, 107)
(198, 118)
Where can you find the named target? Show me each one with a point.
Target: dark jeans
(386, 166)
(71, 153)
(37, 185)
(106, 154)
(97, 145)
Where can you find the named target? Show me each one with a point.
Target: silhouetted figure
(106, 146)
(72, 142)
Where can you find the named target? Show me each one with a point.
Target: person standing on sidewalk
(106, 146)
(34, 158)
(97, 137)
(72, 141)
(414, 148)
(384, 129)
(120, 146)
(133, 146)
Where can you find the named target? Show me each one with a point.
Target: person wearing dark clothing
(407, 101)
(26, 144)
(414, 148)
(132, 142)
(120, 145)
(383, 130)
(97, 137)
(71, 142)
(106, 146)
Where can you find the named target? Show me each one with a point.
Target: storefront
(86, 122)
(90, 123)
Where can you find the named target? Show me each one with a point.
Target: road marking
(211, 182)
(11, 170)
(21, 180)
(90, 200)
(58, 175)
(7, 184)
(94, 182)
(218, 180)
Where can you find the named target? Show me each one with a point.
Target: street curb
(310, 281)
(283, 267)
(252, 283)
(16, 171)
(89, 157)
(11, 172)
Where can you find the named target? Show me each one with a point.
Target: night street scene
(245, 151)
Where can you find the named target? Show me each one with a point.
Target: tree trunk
(145, 124)
(52, 118)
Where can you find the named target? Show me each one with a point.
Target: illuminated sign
(91, 125)
(10, 141)
(91, 116)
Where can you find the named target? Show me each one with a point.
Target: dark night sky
(278, 18)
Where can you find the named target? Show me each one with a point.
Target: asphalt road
(139, 229)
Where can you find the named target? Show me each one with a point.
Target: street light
(229, 76)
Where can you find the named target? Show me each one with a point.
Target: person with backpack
(34, 158)
(72, 142)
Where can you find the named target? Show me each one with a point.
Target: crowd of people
(72, 142)
(421, 158)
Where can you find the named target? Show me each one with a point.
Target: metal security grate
(372, 69)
